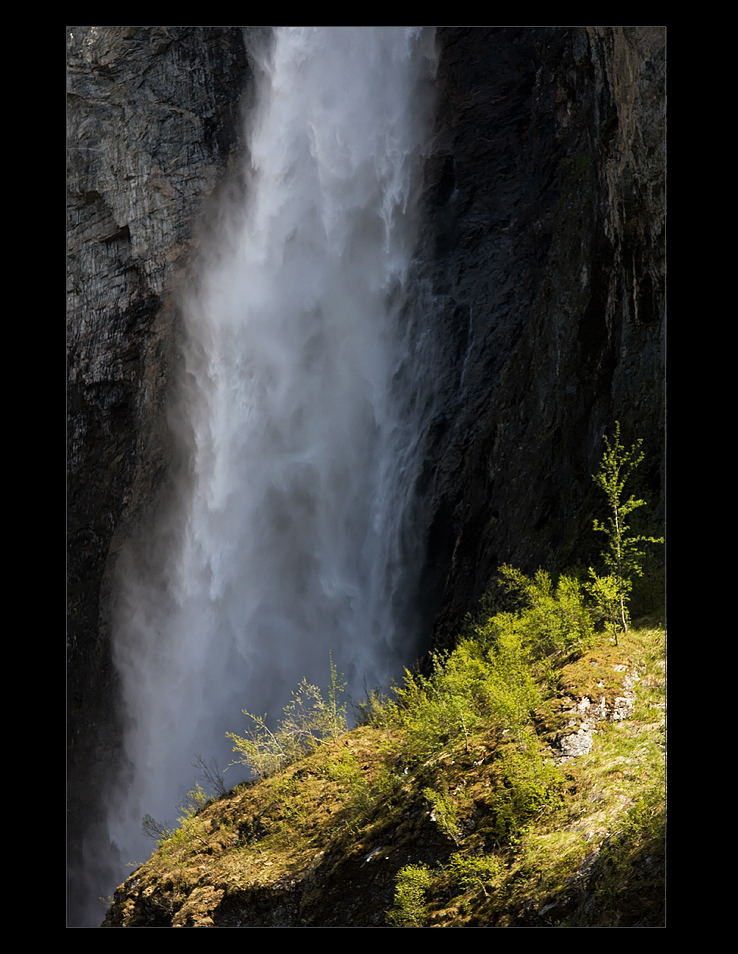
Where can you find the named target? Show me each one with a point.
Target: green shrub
(524, 785)
(475, 682)
(410, 908)
(444, 813)
(375, 710)
(429, 714)
(552, 618)
(308, 721)
(189, 825)
(514, 693)
(471, 872)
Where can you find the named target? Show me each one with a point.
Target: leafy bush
(524, 786)
(308, 721)
(514, 693)
(552, 618)
(410, 908)
(470, 684)
(189, 825)
(374, 710)
(471, 872)
(428, 712)
(444, 813)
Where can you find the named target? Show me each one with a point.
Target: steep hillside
(445, 811)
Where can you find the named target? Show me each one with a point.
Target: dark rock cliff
(545, 248)
(546, 238)
(152, 119)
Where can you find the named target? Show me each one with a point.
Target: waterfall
(298, 406)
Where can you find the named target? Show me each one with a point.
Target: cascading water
(296, 395)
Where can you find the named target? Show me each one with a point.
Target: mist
(297, 407)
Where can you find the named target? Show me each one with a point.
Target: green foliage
(623, 555)
(472, 872)
(335, 717)
(470, 684)
(162, 833)
(608, 596)
(410, 908)
(195, 799)
(520, 828)
(444, 813)
(374, 710)
(308, 721)
(513, 692)
(552, 618)
(508, 693)
(428, 712)
(346, 771)
(525, 785)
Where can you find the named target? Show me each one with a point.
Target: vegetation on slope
(442, 811)
(519, 782)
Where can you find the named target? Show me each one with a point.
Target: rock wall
(152, 118)
(544, 247)
(546, 237)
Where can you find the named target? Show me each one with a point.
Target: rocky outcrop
(544, 246)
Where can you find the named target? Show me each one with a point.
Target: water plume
(298, 404)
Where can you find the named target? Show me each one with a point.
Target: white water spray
(301, 439)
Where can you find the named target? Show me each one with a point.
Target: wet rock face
(152, 118)
(545, 233)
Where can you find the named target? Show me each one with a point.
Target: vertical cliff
(546, 237)
(152, 118)
(543, 248)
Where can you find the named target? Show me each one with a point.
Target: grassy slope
(501, 838)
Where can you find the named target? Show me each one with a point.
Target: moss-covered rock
(509, 830)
